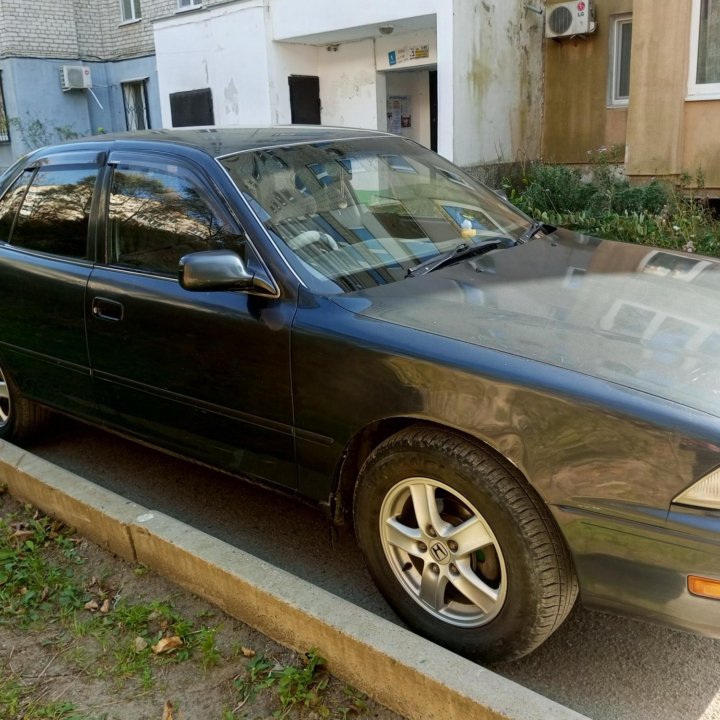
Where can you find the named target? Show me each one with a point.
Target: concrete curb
(408, 674)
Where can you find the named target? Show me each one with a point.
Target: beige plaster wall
(658, 86)
(668, 134)
(577, 119)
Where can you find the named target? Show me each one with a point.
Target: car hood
(642, 317)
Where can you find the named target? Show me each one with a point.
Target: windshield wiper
(459, 252)
(533, 230)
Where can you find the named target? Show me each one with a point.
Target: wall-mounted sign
(399, 113)
(407, 54)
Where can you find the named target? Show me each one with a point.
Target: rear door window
(10, 204)
(55, 212)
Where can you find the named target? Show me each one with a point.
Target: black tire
(19, 418)
(510, 559)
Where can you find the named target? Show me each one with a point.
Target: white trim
(192, 5)
(698, 91)
(616, 25)
(133, 17)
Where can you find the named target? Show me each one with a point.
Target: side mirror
(214, 270)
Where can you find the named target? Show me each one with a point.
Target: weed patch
(608, 206)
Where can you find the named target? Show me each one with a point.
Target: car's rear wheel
(464, 551)
(19, 418)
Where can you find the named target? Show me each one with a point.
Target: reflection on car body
(507, 412)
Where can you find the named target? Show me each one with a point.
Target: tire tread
(551, 559)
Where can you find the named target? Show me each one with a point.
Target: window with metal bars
(136, 105)
(4, 122)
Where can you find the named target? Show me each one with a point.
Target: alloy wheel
(443, 552)
(4, 401)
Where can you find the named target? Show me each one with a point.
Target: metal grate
(136, 105)
(4, 122)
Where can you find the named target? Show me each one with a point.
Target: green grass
(304, 686)
(101, 635)
(17, 701)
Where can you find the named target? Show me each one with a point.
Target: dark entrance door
(304, 99)
(433, 110)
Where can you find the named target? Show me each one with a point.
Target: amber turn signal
(705, 587)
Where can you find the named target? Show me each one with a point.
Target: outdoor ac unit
(75, 77)
(570, 18)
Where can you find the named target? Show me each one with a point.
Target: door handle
(105, 309)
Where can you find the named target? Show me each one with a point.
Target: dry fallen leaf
(20, 536)
(92, 606)
(168, 711)
(140, 644)
(105, 607)
(247, 652)
(167, 644)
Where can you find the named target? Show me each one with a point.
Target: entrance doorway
(412, 105)
(304, 99)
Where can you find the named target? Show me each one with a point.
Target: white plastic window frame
(135, 11)
(183, 5)
(696, 90)
(617, 23)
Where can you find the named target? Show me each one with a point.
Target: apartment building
(462, 76)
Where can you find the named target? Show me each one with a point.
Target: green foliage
(303, 686)
(16, 701)
(97, 632)
(295, 686)
(608, 206)
(32, 584)
(36, 133)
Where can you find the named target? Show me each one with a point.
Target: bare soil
(56, 662)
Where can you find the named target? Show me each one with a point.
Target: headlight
(705, 493)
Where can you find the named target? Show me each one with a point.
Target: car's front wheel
(460, 546)
(19, 418)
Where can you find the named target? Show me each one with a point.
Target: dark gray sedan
(508, 412)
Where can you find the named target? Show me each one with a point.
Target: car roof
(218, 142)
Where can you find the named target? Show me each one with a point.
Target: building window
(130, 10)
(620, 49)
(136, 105)
(194, 107)
(4, 122)
(705, 48)
(186, 4)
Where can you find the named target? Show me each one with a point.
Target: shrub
(608, 206)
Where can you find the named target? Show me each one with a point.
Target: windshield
(354, 214)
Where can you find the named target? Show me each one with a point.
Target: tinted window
(158, 213)
(54, 215)
(10, 204)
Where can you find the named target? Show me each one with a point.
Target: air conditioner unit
(75, 77)
(570, 18)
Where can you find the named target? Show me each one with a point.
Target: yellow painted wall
(701, 146)
(577, 119)
(668, 134)
(658, 86)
